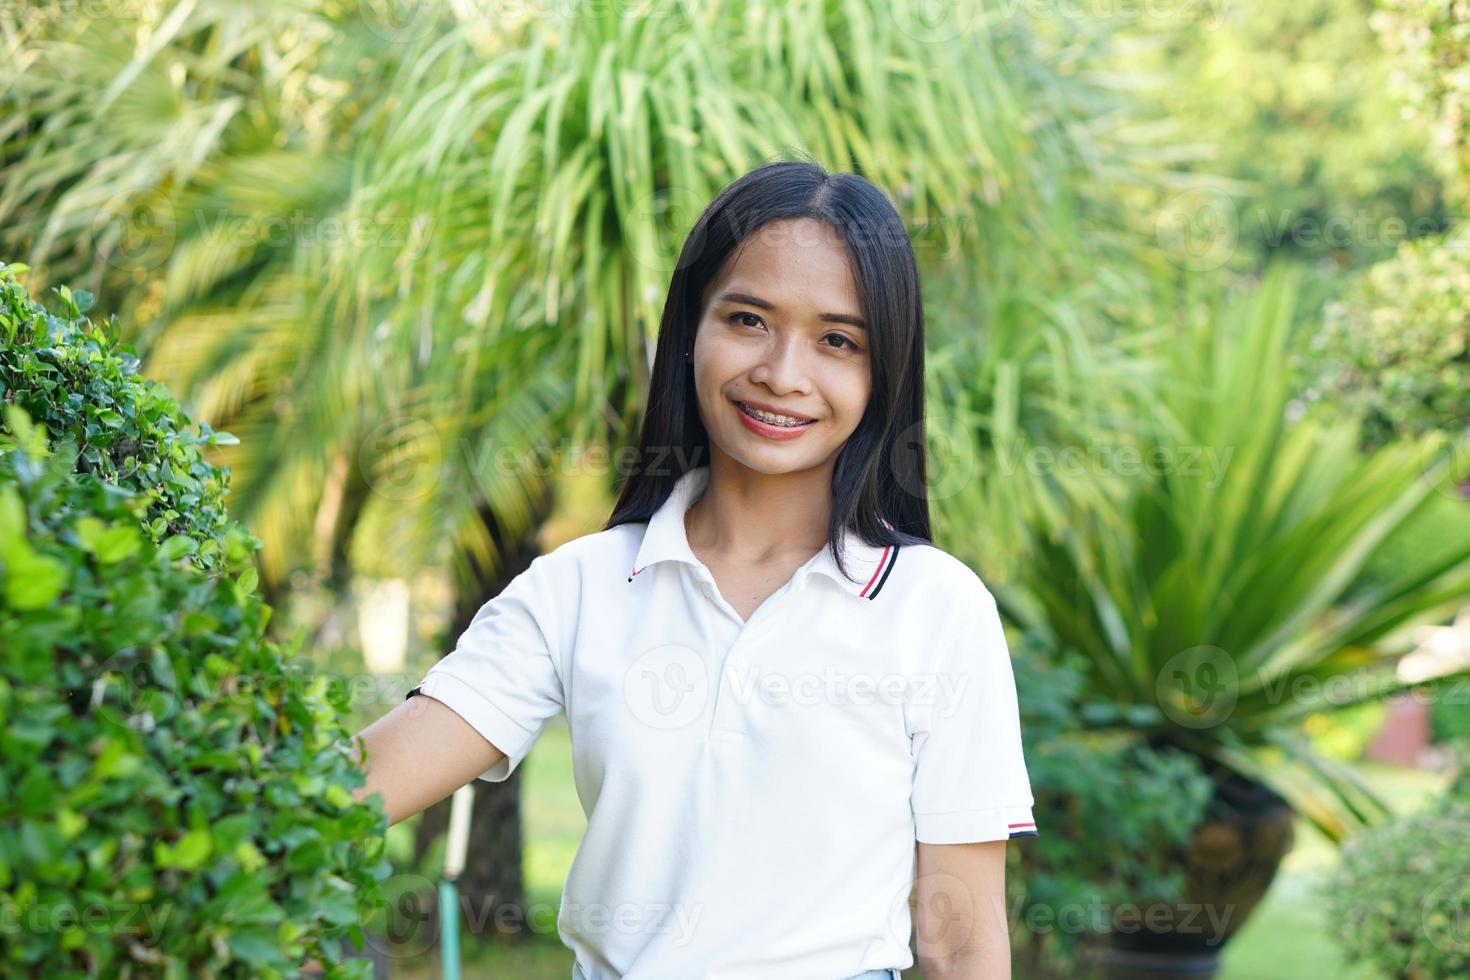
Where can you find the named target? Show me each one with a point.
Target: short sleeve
(970, 780)
(503, 676)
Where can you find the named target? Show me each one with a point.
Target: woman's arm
(961, 931)
(419, 753)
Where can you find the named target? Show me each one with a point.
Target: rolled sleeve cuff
(494, 725)
(970, 826)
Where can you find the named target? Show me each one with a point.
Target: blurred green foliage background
(413, 256)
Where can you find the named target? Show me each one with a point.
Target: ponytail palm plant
(1228, 600)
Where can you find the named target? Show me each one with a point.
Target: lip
(777, 432)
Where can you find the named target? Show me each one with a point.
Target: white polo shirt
(753, 790)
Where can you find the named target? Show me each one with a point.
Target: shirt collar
(665, 539)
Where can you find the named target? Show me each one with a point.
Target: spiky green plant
(1230, 601)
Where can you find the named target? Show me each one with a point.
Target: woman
(783, 699)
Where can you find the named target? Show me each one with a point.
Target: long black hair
(880, 487)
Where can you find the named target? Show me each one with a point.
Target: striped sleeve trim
(973, 826)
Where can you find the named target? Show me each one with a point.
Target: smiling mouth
(785, 422)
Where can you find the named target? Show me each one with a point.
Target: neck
(748, 516)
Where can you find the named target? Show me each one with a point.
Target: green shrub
(1395, 348)
(1108, 808)
(175, 788)
(1294, 103)
(1429, 42)
(73, 379)
(1449, 717)
(1459, 788)
(1399, 899)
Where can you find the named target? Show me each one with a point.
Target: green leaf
(29, 436)
(12, 522)
(89, 531)
(247, 582)
(249, 856)
(308, 786)
(36, 792)
(337, 903)
(338, 797)
(70, 823)
(33, 581)
(117, 543)
(115, 760)
(229, 831)
(255, 944)
(191, 850)
(177, 546)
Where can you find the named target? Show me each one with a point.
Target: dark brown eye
(736, 316)
(851, 344)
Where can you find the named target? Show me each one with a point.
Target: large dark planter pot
(1229, 864)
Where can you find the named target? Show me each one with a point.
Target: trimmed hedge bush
(1399, 899)
(175, 788)
(73, 380)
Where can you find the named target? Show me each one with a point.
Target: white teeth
(768, 417)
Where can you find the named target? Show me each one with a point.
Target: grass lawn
(1286, 937)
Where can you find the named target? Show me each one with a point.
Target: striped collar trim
(871, 566)
(665, 539)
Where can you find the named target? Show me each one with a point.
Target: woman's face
(781, 331)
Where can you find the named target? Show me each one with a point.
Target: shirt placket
(725, 716)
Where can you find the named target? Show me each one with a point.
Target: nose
(782, 367)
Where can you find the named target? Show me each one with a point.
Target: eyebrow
(854, 321)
